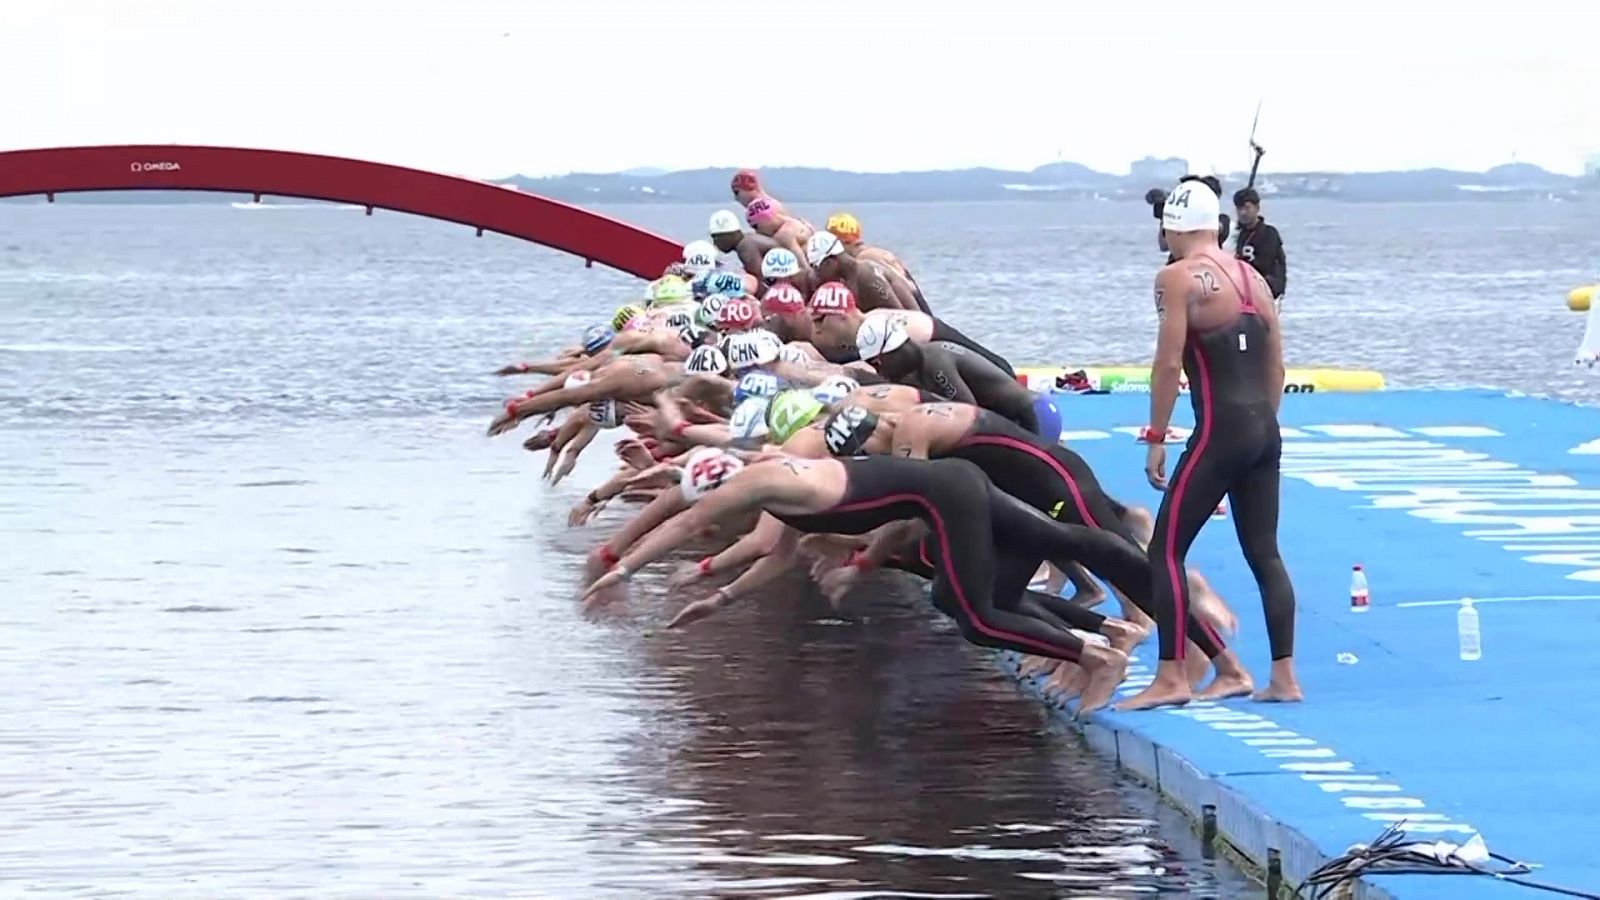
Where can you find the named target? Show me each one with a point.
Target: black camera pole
(1255, 148)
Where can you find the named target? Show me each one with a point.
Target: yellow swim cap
(845, 227)
(623, 316)
(667, 290)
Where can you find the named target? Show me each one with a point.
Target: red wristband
(524, 366)
(607, 556)
(511, 407)
(859, 560)
(705, 566)
(1148, 435)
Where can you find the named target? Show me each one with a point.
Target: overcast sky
(543, 87)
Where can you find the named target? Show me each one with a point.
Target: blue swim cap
(1048, 417)
(597, 338)
(699, 288)
(757, 384)
(724, 282)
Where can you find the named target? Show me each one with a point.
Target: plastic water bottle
(1358, 590)
(1467, 631)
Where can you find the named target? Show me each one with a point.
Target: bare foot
(1067, 683)
(1106, 669)
(1276, 693)
(1170, 688)
(1124, 636)
(1232, 680)
(1282, 687)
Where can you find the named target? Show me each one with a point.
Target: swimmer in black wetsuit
(1214, 330)
(989, 543)
(837, 319)
(1048, 477)
(945, 369)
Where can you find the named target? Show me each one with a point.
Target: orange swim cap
(845, 227)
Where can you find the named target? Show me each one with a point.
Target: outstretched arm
(770, 566)
(728, 500)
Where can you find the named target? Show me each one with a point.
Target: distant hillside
(1053, 182)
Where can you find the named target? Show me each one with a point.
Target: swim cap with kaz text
(1192, 206)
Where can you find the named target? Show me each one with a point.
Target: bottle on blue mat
(1467, 632)
(1358, 589)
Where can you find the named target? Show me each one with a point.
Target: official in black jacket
(1259, 243)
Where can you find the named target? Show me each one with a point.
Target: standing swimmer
(1214, 330)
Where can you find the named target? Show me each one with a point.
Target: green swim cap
(791, 411)
(669, 289)
(623, 316)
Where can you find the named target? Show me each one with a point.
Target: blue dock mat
(1439, 495)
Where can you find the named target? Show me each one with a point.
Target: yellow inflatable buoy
(1578, 299)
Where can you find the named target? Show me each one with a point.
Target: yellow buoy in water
(1578, 299)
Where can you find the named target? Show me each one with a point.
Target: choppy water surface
(277, 619)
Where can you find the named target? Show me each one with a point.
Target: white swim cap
(706, 360)
(1191, 207)
(700, 255)
(879, 335)
(749, 419)
(705, 470)
(748, 349)
(822, 245)
(577, 379)
(835, 389)
(779, 263)
(724, 222)
(604, 413)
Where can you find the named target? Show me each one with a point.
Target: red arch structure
(479, 204)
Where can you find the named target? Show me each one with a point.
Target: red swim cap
(738, 314)
(833, 299)
(783, 299)
(745, 180)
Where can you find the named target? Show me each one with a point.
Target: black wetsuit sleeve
(994, 390)
(1276, 267)
(941, 374)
